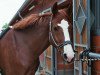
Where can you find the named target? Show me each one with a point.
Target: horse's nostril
(66, 59)
(65, 56)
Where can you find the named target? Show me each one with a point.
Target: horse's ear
(55, 9)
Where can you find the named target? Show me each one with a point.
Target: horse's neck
(36, 42)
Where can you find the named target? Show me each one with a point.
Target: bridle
(51, 37)
(57, 46)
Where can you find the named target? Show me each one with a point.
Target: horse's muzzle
(65, 58)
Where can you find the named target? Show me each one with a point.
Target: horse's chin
(66, 59)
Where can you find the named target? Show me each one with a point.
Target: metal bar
(56, 69)
(94, 55)
(88, 33)
(74, 17)
(80, 45)
(81, 63)
(80, 67)
(80, 38)
(52, 59)
(74, 31)
(88, 23)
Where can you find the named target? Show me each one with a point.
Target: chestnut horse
(26, 40)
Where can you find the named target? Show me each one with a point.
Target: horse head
(59, 35)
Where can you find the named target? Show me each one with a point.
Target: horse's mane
(33, 18)
(26, 21)
(30, 20)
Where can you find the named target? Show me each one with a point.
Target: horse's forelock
(59, 16)
(66, 15)
(26, 21)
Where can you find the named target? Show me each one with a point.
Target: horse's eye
(55, 28)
